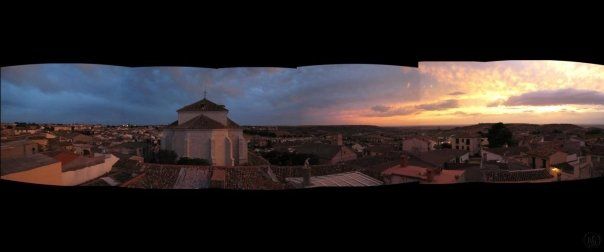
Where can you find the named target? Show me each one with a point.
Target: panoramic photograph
(261, 128)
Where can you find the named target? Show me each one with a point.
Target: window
(456, 140)
(457, 147)
(543, 161)
(33, 150)
(468, 141)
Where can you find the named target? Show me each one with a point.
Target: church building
(203, 130)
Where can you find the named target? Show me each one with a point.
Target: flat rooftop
(13, 165)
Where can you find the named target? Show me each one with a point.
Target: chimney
(403, 161)
(306, 176)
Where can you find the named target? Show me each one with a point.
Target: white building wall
(219, 116)
(185, 116)
(198, 144)
(222, 147)
(72, 178)
(491, 156)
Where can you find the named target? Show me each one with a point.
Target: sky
(436, 93)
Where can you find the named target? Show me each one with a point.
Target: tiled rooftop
(348, 179)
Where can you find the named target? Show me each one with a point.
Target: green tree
(499, 135)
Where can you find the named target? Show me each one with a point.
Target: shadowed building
(204, 131)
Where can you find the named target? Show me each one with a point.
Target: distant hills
(447, 129)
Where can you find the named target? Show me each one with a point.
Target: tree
(166, 157)
(445, 146)
(499, 135)
(286, 158)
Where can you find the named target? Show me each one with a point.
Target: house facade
(418, 144)
(473, 144)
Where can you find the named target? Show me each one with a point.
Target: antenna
(204, 93)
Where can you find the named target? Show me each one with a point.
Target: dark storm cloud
(557, 97)
(111, 94)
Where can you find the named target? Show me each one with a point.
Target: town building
(18, 149)
(544, 156)
(443, 158)
(409, 173)
(471, 143)
(503, 153)
(327, 153)
(56, 168)
(418, 144)
(204, 131)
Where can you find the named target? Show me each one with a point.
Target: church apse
(203, 130)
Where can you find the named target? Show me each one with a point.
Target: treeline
(265, 133)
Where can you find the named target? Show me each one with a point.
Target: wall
(474, 146)
(491, 156)
(43, 143)
(185, 116)
(20, 150)
(416, 145)
(72, 178)
(397, 179)
(345, 154)
(219, 116)
(197, 144)
(223, 147)
(464, 158)
(557, 158)
(47, 175)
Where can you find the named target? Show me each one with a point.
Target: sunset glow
(435, 93)
(510, 91)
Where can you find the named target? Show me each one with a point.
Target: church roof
(204, 122)
(203, 105)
